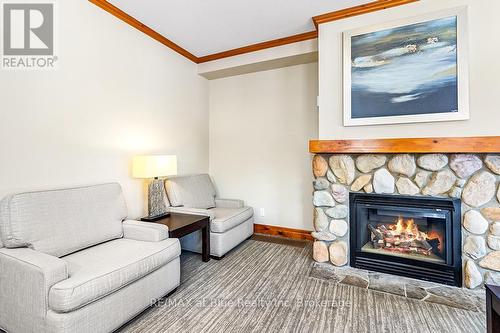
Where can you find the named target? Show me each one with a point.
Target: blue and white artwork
(407, 70)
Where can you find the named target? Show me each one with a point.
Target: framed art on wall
(412, 70)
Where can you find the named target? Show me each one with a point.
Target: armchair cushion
(60, 222)
(228, 203)
(25, 280)
(228, 218)
(103, 269)
(196, 191)
(194, 211)
(144, 231)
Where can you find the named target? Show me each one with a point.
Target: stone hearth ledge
(472, 300)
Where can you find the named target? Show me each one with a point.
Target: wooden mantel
(478, 144)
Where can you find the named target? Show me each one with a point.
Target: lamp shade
(151, 166)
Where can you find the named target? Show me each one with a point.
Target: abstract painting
(405, 73)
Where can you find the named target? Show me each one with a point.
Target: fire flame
(407, 227)
(434, 234)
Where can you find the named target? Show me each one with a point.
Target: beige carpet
(265, 287)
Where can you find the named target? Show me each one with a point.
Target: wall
(116, 93)
(484, 73)
(260, 124)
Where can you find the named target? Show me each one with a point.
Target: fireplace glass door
(413, 236)
(411, 233)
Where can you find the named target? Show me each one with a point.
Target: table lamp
(155, 166)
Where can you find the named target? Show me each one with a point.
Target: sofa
(231, 222)
(70, 261)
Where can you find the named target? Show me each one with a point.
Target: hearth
(412, 236)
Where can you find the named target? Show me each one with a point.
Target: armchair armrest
(228, 203)
(192, 211)
(144, 231)
(25, 281)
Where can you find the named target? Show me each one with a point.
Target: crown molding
(260, 46)
(358, 10)
(120, 14)
(328, 17)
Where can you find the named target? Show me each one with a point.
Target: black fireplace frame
(449, 273)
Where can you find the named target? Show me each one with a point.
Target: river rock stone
(320, 251)
(491, 213)
(360, 182)
(455, 192)
(406, 186)
(337, 212)
(475, 223)
(493, 163)
(403, 164)
(475, 247)
(465, 165)
(320, 166)
(383, 181)
(321, 183)
(343, 168)
(460, 182)
(422, 178)
(440, 183)
(368, 162)
(495, 229)
(492, 278)
(368, 188)
(338, 227)
(340, 193)
(323, 199)
(338, 253)
(479, 189)
(498, 194)
(432, 162)
(473, 277)
(323, 236)
(331, 177)
(320, 220)
(491, 261)
(494, 242)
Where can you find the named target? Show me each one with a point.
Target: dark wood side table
(492, 308)
(180, 225)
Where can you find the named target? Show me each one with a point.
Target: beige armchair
(231, 222)
(71, 262)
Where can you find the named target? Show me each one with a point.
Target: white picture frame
(462, 72)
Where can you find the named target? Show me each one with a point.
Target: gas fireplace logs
(403, 238)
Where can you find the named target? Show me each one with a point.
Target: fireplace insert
(412, 236)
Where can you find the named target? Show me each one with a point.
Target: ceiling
(205, 27)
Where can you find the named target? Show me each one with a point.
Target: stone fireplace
(365, 216)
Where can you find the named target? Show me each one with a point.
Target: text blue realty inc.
(252, 303)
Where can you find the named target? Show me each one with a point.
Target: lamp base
(155, 218)
(156, 198)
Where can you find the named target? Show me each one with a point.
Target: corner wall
(260, 124)
(115, 94)
(483, 66)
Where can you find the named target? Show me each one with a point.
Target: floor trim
(282, 231)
